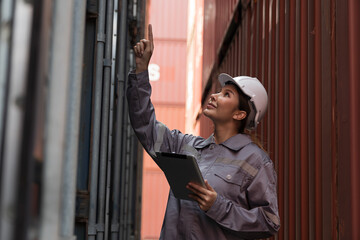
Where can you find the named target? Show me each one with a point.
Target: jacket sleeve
(261, 220)
(153, 135)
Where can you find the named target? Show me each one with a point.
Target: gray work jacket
(240, 172)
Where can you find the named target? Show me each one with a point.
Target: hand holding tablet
(179, 170)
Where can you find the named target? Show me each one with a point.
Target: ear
(239, 115)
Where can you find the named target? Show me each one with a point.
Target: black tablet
(179, 170)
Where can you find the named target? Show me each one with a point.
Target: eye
(226, 94)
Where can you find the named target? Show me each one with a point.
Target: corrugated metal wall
(168, 79)
(63, 71)
(348, 115)
(110, 168)
(296, 49)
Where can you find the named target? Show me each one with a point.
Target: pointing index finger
(150, 35)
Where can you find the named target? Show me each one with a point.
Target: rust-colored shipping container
(169, 18)
(155, 186)
(306, 53)
(168, 80)
(168, 71)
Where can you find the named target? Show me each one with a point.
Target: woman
(239, 201)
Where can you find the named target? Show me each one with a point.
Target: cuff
(217, 210)
(138, 78)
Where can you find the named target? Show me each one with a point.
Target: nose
(213, 97)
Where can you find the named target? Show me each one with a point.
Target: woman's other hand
(143, 51)
(205, 197)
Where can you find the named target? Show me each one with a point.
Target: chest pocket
(235, 172)
(232, 179)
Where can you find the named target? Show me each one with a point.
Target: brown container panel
(308, 69)
(209, 38)
(224, 12)
(348, 101)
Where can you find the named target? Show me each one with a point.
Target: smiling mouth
(210, 105)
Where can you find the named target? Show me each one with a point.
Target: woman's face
(223, 106)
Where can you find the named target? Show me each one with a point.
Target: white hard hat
(253, 88)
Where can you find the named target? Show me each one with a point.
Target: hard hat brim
(224, 78)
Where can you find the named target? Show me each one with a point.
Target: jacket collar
(237, 142)
(234, 143)
(206, 142)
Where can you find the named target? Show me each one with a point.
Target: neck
(223, 133)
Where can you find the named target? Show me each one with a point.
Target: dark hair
(243, 106)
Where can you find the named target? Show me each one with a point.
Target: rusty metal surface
(354, 37)
(354, 58)
(209, 40)
(348, 73)
(305, 54)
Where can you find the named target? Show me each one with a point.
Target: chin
(207, 114)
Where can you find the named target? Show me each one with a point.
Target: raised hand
(143, 51)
